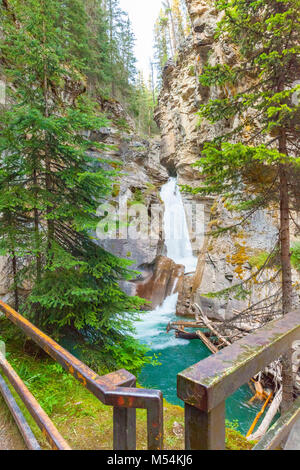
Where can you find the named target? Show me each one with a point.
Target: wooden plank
(208, 324)
(124, 428)
(205, 431)
(115, 389)
(23, 426)
(186, 324)
(47, 427)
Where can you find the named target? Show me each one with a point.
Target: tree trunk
(172, 30)
(287, 287)
(285, 249)
(15, 275)
(265, 424)
(37, 230)
(113, 87)
(48, 179)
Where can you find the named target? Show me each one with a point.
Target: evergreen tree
(142, 107)
(120, 50)
(161, 43)
(256, 163)
(51, 188)
(178, 20)
(97, 57)
(168, 11)
(171, 27)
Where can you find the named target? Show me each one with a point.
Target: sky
(142, 14)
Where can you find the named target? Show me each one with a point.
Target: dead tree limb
(208, 324)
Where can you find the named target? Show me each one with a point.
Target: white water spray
(179, 249)
(177, 238)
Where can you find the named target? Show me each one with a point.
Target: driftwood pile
(212, 338)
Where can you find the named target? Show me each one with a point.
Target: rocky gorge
(223, 261)
(145, 165)
(233, 257)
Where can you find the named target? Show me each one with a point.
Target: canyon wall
(232, 257)
(138, 205)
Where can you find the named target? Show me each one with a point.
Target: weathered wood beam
(211, 381)
(177, 324)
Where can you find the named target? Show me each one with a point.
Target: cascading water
(173, 353)
(177, 238)
(179, 249)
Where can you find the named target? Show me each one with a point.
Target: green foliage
(235, 441)
(258, 260)
(51, 187)
(142, 107)
(138, 197)
(295, 258)
(80, 417)
(171, 28)
(122, 124)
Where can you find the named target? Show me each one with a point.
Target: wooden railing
(117, 389)
(205, 386)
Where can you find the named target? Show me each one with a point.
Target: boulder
(162, 280)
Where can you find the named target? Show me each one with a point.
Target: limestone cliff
(137, 203)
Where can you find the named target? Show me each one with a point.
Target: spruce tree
(171, 27)
(51, 188)
(161, 43)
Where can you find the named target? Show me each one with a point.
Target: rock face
(146, 166)
(161, 279)
(138, 205)
(230, 258)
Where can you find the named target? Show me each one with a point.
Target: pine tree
(178, 20)
(120, 50)
(143, 105)
(168, 11)
(161, 43)
(171, 27)
(97, 57)
(51, 188)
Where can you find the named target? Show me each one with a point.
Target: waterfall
(177, 238)
(179, 249)
(176, 354)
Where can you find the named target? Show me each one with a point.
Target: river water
(175, 354)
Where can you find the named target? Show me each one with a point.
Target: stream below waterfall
(175, 354)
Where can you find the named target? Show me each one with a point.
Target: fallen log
(185, 335)
(186, 324)
(259, 415)
(271, 413)
(208, 324)
(207, 342)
